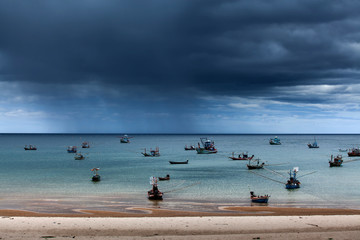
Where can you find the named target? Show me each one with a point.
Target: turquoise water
(50, 180)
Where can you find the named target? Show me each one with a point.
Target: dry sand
(230, 223)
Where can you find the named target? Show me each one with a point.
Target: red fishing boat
(355, 152)
(336, 161)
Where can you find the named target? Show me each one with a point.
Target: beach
(230, 223)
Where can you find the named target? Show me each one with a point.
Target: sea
(50, 180)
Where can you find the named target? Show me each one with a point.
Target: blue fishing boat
(259, 199)
(293, 183)
(207, 146)
(275, 141)
(125, 139)
(313, 145)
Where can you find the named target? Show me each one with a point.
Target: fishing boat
(342, 150)
(255, 164)
(313, 145)
(184, 162)
(355, 152)
(242, 156)
(96, 177)
(79, 156)
(72, 149)
(164, 178)
(293, 183)
(154, 193)
(336, 161)
(153, 153)
(259, 199)
(207, 146)
(30, 147)
(85, 145)
(125, 139)
(275, 141)
(188, 148)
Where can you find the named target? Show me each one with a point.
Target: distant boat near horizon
(275, 141)
(313, 145)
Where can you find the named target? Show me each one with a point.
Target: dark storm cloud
(218, 47)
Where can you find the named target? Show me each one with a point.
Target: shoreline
(245, 227)
(223, 211)
(230, 223)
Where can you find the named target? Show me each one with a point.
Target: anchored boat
(30, 147)
(79, 156)
(313, 145)
(259, 199)
(183, 162)
(188, 148)
(96, 177)
(153, 153)
(242, 156)
(72, 149)
(154, 193)
(336, 161)
(355, 152)
(207, 146)
(85, 145)
(125, 139)
(275, 141)
(255, 164)
(293, 183)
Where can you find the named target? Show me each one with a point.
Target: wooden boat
(208, 146)
(259, 199)
(125, 139)
(313, 145)
(275, 141)
(355, 152)
(255, 165)
(85, 145)
(96, 177)
(293, 183)
(242, 156)
(188, 148)
(153, 153)
(72, 149)
(154, 193)
(30, 147)
(79, 156)
(164, 178)
(184, 162)
(336, 161)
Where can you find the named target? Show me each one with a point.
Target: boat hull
(205, 151)
(250, 167)
(185, 162)
(96, 178)
(292, 186)
(260, 200)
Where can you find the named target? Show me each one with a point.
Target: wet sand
(229, 223)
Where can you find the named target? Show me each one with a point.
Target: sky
(179, 66)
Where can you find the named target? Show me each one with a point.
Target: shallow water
(49, 179)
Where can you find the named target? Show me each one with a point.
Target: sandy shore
(230, 223)
(247, 227)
